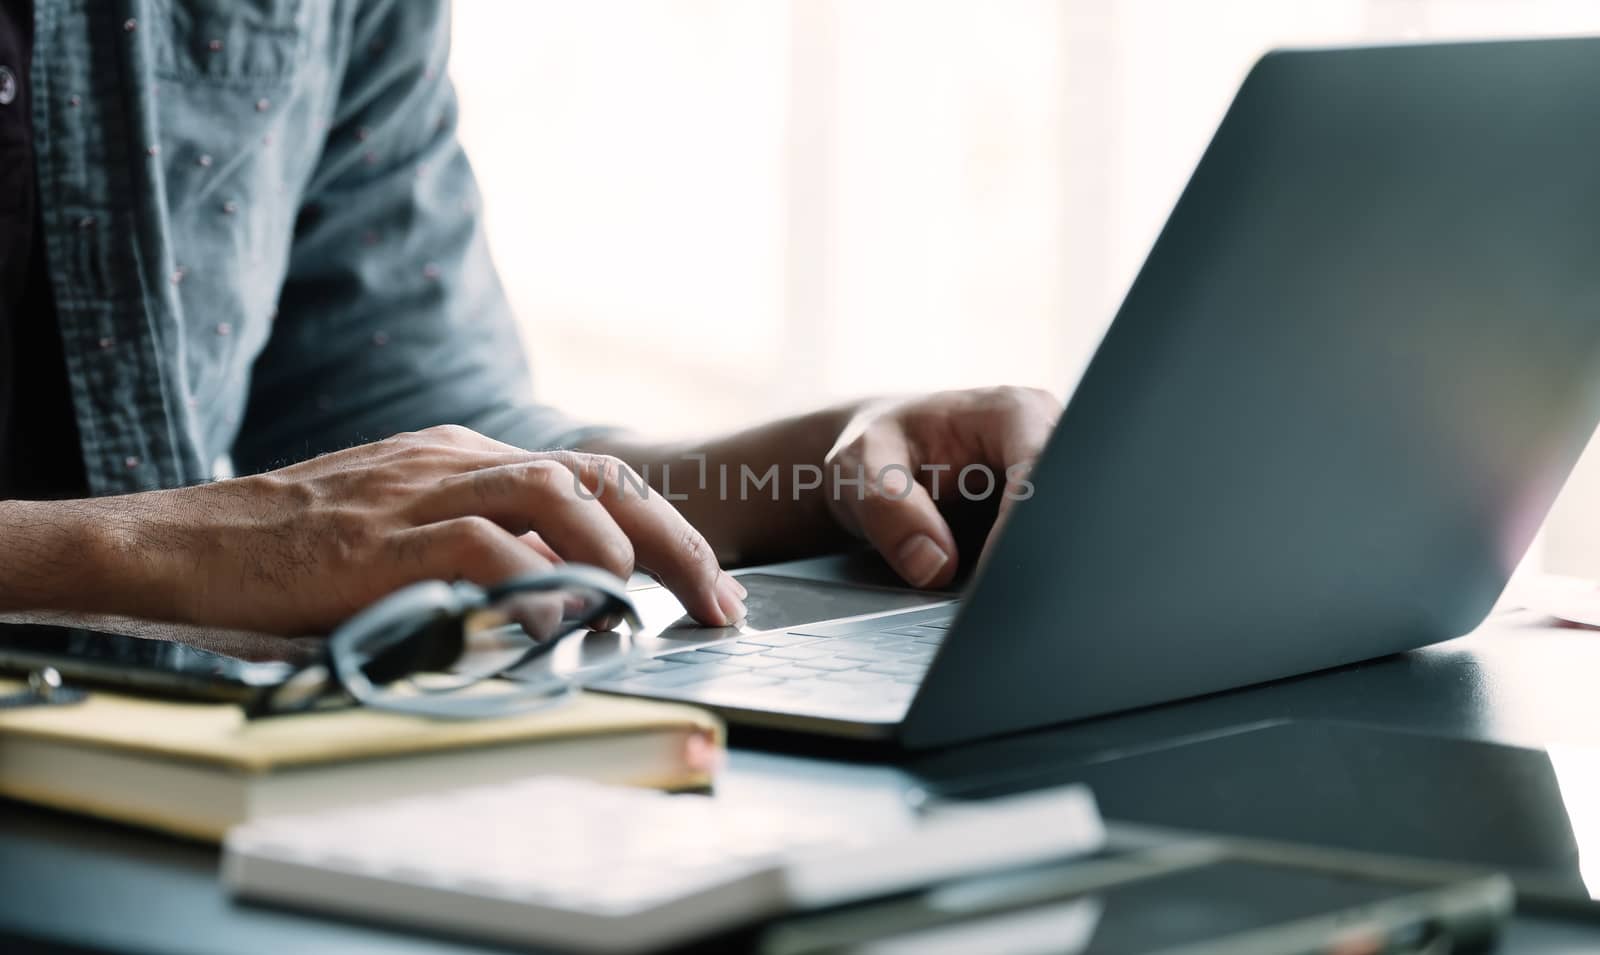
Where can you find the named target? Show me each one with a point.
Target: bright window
(712, 211)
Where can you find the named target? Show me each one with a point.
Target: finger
(540, 495)
(672, 550)
(1022, 432)
(470, 548)
(591, 509)
(541, 616)
(533, 541)
(897, 514)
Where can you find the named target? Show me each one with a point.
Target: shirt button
(8, 86)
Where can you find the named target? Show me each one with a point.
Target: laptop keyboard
(866, 670)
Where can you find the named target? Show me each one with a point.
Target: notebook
(614, 869)
(194, 769)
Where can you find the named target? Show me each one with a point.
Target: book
(195, 769)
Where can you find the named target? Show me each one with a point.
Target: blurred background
(713, 211)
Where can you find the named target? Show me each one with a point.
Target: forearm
(65, 555)
(751, 504)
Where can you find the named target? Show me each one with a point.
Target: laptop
(1329, 417)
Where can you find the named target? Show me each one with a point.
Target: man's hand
(299, 549)
(905, 453)
(911, 455)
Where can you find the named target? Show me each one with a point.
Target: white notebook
(591, 867)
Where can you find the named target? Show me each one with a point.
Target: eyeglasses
(435, 649)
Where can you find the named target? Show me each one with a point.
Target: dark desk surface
(79, 885)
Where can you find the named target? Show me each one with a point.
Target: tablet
(1201, 898)
(135, 664)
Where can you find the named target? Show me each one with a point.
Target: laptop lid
(1335, 406)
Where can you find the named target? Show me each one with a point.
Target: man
(240, 235)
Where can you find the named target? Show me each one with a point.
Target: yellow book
(194, 769)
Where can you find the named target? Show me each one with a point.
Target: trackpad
(778, 602)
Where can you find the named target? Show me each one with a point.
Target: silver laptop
(1329, 417)
(832, 658)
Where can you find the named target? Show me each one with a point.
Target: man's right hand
(299, 549)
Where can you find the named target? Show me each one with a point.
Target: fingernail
(729, 600)
(738, 588)
(920, 560)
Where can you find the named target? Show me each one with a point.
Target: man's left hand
(912, 454)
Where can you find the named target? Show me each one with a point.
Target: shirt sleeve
(391, 317)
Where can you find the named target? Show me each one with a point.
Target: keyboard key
(657, 665)
(758, 662)
(737, 681)
(733, 648)
(919, 631)
(867, 655)
(788, 672)
(681, 676)
(829, 663)
(799, 653)
(861, 642)
(690, 656)
(778, 639)
(856, 676)
(904, 646)
(867, 640)
(898, 667)
(774, 697)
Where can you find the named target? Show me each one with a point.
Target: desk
(83, 886)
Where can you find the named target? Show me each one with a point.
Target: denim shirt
(263, 238)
